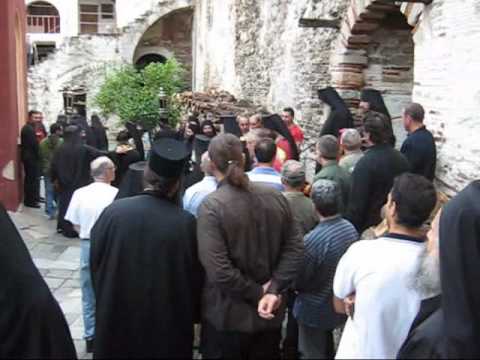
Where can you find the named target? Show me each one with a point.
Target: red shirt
(297, 133)
(40, 132)
(284, 153)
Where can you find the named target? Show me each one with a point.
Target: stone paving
(58, 260)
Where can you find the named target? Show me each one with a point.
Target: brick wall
(447, 70)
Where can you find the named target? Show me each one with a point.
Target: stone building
(280, 52)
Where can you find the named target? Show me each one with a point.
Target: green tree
(132, 94)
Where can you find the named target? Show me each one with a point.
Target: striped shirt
(324, 246)
(267, 176)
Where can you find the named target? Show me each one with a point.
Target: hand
(349, 302)
(268, 305)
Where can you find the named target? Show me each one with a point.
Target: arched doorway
(148, 59)
(170, 36)
(42, 17)
(375, 50)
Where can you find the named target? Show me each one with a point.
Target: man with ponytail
(251, 250)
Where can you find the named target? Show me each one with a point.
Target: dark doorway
(148, 59)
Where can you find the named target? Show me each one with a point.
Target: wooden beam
(320, 23)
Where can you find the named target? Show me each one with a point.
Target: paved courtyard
(58, 260)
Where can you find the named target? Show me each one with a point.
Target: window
(93, 17)
(42, 17)
(108, 11)
(88, 19)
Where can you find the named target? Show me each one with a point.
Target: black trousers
(242, 346)
(66, 227)
(290, 343)
(31, 184)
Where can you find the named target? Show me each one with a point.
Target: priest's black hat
(168, 157)
(230, 125)
(132, 182)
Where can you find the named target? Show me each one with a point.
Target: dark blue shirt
(420, 150)
(324, 246)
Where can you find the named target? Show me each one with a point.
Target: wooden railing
(48, 24)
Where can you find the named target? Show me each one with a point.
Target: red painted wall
(12, 98)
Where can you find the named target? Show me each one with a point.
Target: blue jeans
(50, 202)
(88, 297)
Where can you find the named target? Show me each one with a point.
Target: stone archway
(148, 59)
(170, 36)
(375, 49)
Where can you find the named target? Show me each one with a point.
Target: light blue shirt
(195, 194)
(267, 176)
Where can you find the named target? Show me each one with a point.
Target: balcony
(43, 24)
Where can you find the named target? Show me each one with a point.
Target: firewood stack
(216, 103)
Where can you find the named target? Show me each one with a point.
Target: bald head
(102, 169)
(206, 164)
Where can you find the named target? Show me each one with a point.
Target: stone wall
(257, 50)
(390, 56)
(263, 55)
(80, 61)
(447, 70)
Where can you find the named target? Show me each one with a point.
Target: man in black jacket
(373, 176)
(30, 153)
(419, 148)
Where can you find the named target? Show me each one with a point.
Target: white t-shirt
(380, 272)
(87, 205)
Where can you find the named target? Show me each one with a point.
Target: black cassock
(425, 340)
(460, 273)
(147, 279)
(32, 324)
(70, 170)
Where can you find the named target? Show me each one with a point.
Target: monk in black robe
(340, 116)
(460, 273)
(123, 156)
(425, 339)
(372, 100)
(99, 133)
(32, 324)
(145, 268)
(70, 170)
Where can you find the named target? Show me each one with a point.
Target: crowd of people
(226, 237)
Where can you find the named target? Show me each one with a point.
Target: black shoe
(41, 200)
(35, 206)
(89, 345)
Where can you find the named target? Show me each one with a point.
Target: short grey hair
(326, 197)
(293, 173)
(351, 139)
(99, 167)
